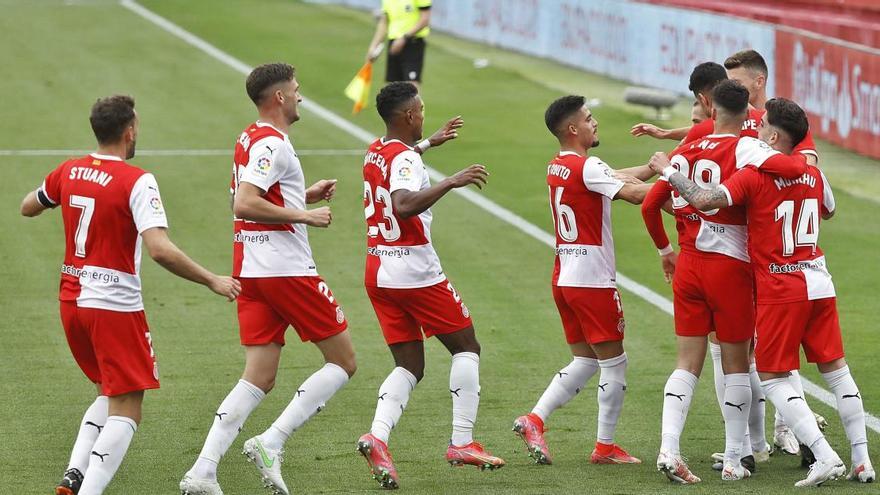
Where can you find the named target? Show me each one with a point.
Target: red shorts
(714, 294)
(404, 313)
(590, 315)
(112, 348)
(267, 306)
(783, 328)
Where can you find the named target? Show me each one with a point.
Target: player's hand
(323, 189)
(227, 287)
(627, 179)
(319, 217)
(658, 162)
(668, 262)
(652, 130)
(448, 132)
(475, 174)
(397, 46)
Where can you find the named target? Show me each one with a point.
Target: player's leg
(404, 339)
(95, 417)
(823, 345)
(464, 387)
(113, 441)
(717, 369)
(780, 329)
(566, 383)
(261, 332)
(317, 318)
(680, 389)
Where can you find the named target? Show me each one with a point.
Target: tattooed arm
(696, 196)
(699, 198)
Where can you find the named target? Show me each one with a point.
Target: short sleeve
(700, 130)
(741, 186)
(751, 151)
(599, 178)
(49, 192)
(807, 146)
(264, 167)
(423, 4)
(828, 203)
(407, 172)
(146, 204)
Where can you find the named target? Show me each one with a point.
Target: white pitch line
(486, 204)
(205, 152)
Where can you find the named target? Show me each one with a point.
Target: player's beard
(595, 143)
(129, 154)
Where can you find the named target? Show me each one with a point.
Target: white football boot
(822, 471)
(675, 468)
(268, 462)
(785, 440)
(194, 486)
(863, 473)
(734, 472)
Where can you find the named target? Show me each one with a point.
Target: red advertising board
(837, 83)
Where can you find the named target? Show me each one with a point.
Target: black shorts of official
(406, 65)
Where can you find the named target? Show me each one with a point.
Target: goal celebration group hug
(749, 280)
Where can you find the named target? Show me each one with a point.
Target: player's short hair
(747, 59)
(393, 96)
(110, 117)
(705, 76)
(731, 96)
(264, 77)
(561, 110)
(788, 116)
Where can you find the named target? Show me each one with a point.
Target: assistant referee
(404, 23)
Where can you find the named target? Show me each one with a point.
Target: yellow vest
(403, 15)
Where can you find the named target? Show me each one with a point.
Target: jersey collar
(384, 142)
(105, 157)
(721, 136)
(266, 124)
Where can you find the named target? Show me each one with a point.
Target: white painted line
(205, 152)
(478, 199)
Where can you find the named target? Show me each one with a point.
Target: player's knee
(419, 373)
(265, 384)
(348, 365)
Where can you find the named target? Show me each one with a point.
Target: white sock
(107, 454)
(798, 416)
(89, 429)
(228, 421)
(393, 397)
(565, 385)
(309, 400)
(612, 388)
(464, 385)
(737, 404)
(757, 432)
(798, 386)
(852, 411)
(677, 397)
(717, 373)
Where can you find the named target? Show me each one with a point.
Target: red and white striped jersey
(399, 250)
(105, 203)
(749, 129)
(581, 190)
(264, 157)
(784, 217)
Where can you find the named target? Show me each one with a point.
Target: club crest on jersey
(340, 316)
(621, 325)
(465, 311)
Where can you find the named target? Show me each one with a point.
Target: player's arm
(448, 132)
(829, 206)
(657, 197)
(167, 254)
(407, 203)
(31, 205)
(378, 38)
(323, 190)
(641, 172)
(756, 153)
(633, 193)
(699, 198)
(423, 22)
(652, 130)
(249, 204)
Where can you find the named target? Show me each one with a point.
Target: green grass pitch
(59, 56)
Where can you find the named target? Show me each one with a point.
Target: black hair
(731, 96)
(264, 77)
(560, 110)
(788, 116)
(748, 59)
(393, 96)
(705, 76)
(110, 117)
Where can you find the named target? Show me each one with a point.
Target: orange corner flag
(358, 90)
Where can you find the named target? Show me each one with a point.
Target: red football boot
(611, 454)
(379, 460)
(473, 454)
(531, 429)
